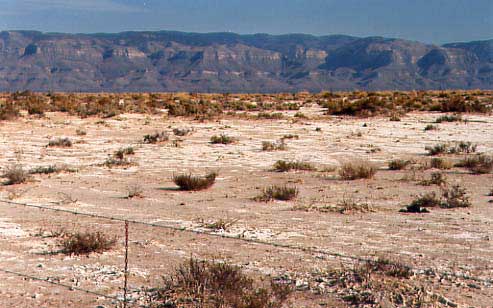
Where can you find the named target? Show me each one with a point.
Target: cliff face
(225, 62)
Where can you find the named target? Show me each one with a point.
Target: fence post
(126, 267)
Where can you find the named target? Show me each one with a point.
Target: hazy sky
(433, 21)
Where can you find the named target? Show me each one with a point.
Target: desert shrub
(113, 161)
(201, 109)
(134, 191)
(156, 137)
(60, 142)
(300, 115)
(490, 194)
(216, 284)
(436, 178)
(426, 200)
(437, 149)
(452, 197)
(15, 174)
(357, 170)
(46, 169)
(270, 116)
(389, 268)
(394, 117)
(478, 164)
(463, 147)
(86, 243)
(181, 131)
(457, 103)
(80, 132)
(430, 127)
(440, 163)
(349, 205)
(368, 106)
(120, 154)
(449, 118)
(223, 139)
(8, 111)
(398, 164)
(445, 148)
(274, 146)
(220, 224)
(290, 136)
(281, 193)
(190, 182)
(455, 196)
(284, 166)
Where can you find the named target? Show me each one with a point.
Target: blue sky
(432, 21)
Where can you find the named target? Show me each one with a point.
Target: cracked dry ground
(444, 240)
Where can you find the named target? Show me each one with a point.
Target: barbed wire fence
(123, 300)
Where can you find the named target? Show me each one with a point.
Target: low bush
(216, 284)
(60, 142)
(274, 146)
(445, 148)
(430, 127)
(285, 166)
(156, 137)
(357, 170)
(455, 196)
(223, 139)
(448, 118)
(192, 183)
(441, 163)
(15, 174)
(8, 111)
(281, 193)
(398, 164)
(121, 153)
(181, 131)
(478, 164)
(452, 197)
(86, 243)
(436, 178)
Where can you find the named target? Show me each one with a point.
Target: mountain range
(228, 62)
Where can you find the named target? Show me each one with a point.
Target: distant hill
(228, 62)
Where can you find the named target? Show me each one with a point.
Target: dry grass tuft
(357, 170)
(86, 243)
(15, 174)
(215, 284)
(190, 182)
(281, 193)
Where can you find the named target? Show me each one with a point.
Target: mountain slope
(228, 62)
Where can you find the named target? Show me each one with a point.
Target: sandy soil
(446, 240)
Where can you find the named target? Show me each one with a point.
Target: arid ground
(448, 251)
